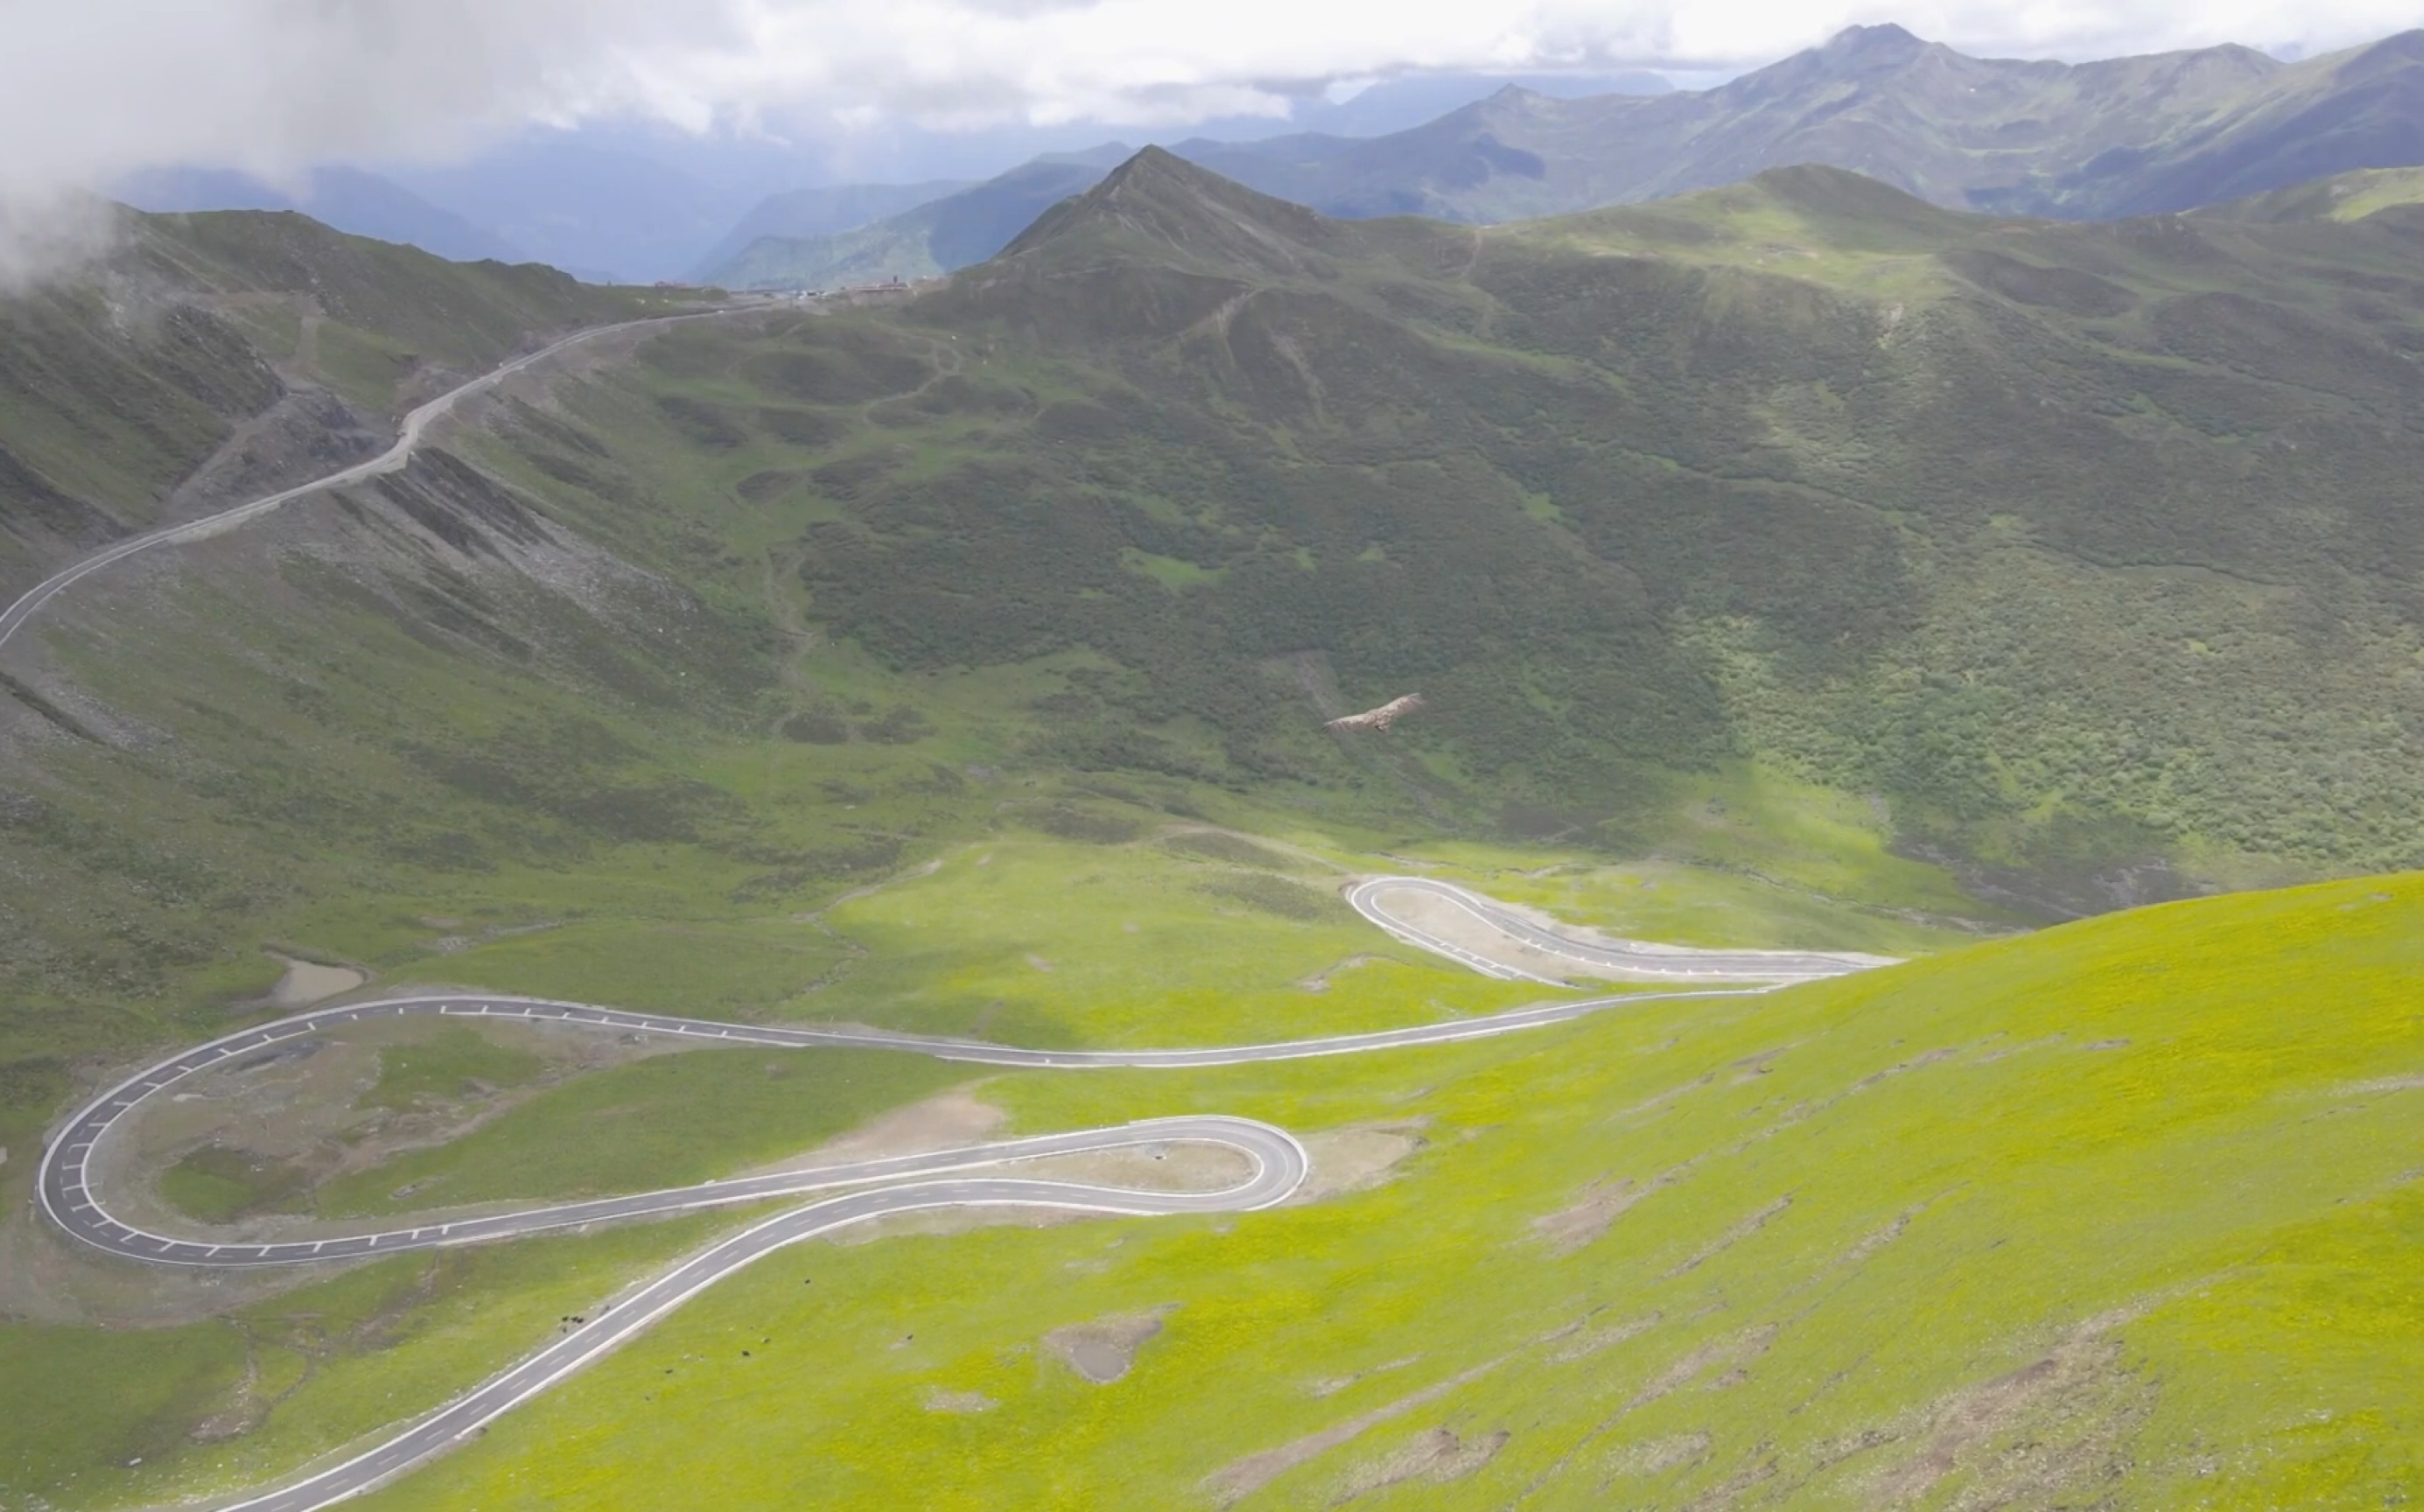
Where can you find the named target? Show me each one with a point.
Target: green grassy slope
(1798, 528)
(2077, 547)
(560, 728)
(116, 385)
(2121, 1212)
(1751, 551)
(1072, 919)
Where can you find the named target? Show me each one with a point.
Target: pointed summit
(1865, 48)
(1159, 245)
(1159, 204)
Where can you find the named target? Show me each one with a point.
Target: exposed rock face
(1377, 719)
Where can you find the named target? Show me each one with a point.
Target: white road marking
(882, 1187)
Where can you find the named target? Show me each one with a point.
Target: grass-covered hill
(2075, 547)
(296, 342)
(1798, 528)
(932, 665)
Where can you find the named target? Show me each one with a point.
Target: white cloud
(1159, 62)
(90, 89)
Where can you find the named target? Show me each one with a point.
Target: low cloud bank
(91, 90)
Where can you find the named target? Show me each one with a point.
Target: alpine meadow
(1761, 849)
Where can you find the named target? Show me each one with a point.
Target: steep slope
(2085, 1218)
(1989, 519)
(951, 232)
(2119, 137)
(266, 341)
(1777, 528)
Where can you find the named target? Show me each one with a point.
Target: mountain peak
(1160, 200)
(1870, 47)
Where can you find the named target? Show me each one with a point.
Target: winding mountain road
(964, 1177)
(408, 438)
(971, 1176)
(1610, 959)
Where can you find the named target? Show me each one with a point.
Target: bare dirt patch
(2386, 1084)
(1437, 1455)
(307, 982)
(1731, 1237)
(1436, 916)
(938, 1400)
(1732, 1351)
(1584, 1343)
(1178, 1165)
(1104, 1350)
(1871, 1243)
(2053, 1430)
(1444, 918)
(1594, 1212)
(1319, 981)
(943, 1121)
(1333, 1385)
(1358, 1157)
(1243, 1477)
(1655, 1457)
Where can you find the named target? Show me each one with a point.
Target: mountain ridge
(951, 231)
(2086, 141)
(2105, 140)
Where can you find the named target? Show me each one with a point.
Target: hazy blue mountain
(601, 212)
(1391, 106)
(1399, 105)
(948, 234)
(350, 199)
(805, 213)
(2086, 141)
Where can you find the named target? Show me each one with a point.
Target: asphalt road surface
(972, 1176)
(1615, 960)
(408, 437)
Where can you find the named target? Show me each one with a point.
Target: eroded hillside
(210, 356)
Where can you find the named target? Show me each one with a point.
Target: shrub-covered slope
(2076, 546)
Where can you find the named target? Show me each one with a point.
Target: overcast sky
(90, 89)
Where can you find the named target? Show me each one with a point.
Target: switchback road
(1389, 901)
(973, 1176)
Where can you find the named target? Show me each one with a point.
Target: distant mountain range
(803, 213)
(2078, 142)
(952, 232)
(2071, 141)
(838, 234)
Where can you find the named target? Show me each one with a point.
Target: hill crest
(1160, 202)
